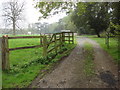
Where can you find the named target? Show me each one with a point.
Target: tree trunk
(13, 27)
(98, 35)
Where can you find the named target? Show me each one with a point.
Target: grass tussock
(88, 62)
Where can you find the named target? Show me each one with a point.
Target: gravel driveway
(69, 73)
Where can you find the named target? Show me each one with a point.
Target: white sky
(32, 14)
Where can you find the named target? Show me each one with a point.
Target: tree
(97, 16)
(12, 12)
(94, 16)
(68, 23)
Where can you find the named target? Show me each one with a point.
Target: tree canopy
(88, 17)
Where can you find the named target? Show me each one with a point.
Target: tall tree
(12, 12)
(96, 14)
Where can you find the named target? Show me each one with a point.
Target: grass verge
(114, 50)
(89, 57)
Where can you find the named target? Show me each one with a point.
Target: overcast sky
(31, 14)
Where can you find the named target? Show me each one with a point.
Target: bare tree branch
(12, 12)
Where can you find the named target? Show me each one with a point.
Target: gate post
(55, 37)
(45, 47)
(5, 53)
(61, 40)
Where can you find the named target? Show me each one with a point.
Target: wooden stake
(55, 44)
(41, 40)
(63, 37)
(60, 41)
(69, 38)
(72, 37)
(5, 53)
(45, 47)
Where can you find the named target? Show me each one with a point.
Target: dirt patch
(108, 78)
(69, 73)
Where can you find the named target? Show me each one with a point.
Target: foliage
(88, 17)
(65, 24)
(52, 8)
(92, 20)
(115, 13)
(114, 28)
(69, 25)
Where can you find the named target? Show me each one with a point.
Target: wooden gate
(57, 39)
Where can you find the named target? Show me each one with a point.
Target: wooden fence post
(69, 37)
(45, 47)
(73, 37)
(63, 37)
(61, 41)
(107, 39)
(5, 53)
(55, 44)
(41, 40)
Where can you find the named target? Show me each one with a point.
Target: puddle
(108, 78)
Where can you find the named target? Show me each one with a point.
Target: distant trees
(69, 24)
(65, 24)
(12, 13)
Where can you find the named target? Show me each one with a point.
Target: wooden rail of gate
(44, 42)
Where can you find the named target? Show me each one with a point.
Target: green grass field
(19, 75)
(113, 50)
(26, 64)
(20, 57)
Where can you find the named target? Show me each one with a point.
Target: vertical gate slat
(45, 47)
(72, 37)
